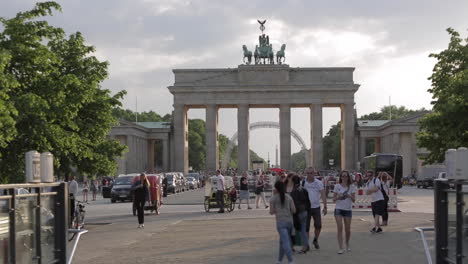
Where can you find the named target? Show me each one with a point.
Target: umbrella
(276, 169)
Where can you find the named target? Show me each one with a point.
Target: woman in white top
(344, 196)
(85, 191)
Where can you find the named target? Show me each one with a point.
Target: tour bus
(390, 163)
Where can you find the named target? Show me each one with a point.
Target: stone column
(211, 134)
(285, 136)
(165, 155)
(180, 138)
(377, 144)
(243, 154)
(362, 148)
(150, 156)
(316, 146)
(347, 137)
(396, 143)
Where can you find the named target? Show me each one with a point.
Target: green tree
(332, 146)
(197, 146)
(60, 104)
(447, 126)
(298, 161)
(8, 112)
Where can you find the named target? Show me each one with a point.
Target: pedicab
(154, 201)
(230, 195)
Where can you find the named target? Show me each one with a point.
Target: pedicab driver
(220, 188)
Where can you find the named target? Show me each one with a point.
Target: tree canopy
(447, 126)
(51, 98)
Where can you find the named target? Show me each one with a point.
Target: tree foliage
(50, 85)
(447, 126)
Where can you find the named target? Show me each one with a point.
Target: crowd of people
(300, 200)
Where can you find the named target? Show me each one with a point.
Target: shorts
(316, 214)
(344, 213)
(244, 195)
(378, 207)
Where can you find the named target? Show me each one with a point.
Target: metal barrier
(451, 221)
(34, 223)
(421, 230)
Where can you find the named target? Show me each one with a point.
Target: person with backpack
(386, 180)
(302, 204)
(375, 189)
(282, 206)
(344, 196)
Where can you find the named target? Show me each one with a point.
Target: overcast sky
(388, 42)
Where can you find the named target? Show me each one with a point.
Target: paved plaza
(184, 233)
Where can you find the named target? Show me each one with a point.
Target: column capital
(243, 106)
(285, 107)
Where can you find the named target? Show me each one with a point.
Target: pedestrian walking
(94, 189)
(141, 192)
(220, 188)
(73, 190)
(344, 195)
(300, 197)
(386, 181)
(85, 191)
(244, 193)
(259, 191)
(374, 188)
(316, 192)
(282, 206)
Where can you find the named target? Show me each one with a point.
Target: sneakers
(250, 208)
(341, 251)
(373, 230)
(316, 244)
(379, 231)
(266, 207)
(220, 211)
(348, 249)
(141, 226)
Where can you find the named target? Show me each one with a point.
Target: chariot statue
(263, 53)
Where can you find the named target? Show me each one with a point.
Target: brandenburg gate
(263, 84)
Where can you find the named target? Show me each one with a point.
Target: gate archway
(264, 124)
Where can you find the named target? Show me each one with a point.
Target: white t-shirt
(346, 204)
(220, 182)
(376, 196)
(73, 188)
(314, 188)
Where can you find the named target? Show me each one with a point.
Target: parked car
(192, 183)
(122, 188)
(197, 177)
(174, 183)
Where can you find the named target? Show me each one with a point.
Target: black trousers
(220, 199)
(72, 209)
(140, 205)
(385, 213)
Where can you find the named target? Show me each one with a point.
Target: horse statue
(280, 55)
(247, 54)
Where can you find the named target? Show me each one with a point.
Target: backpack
(301, 199)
